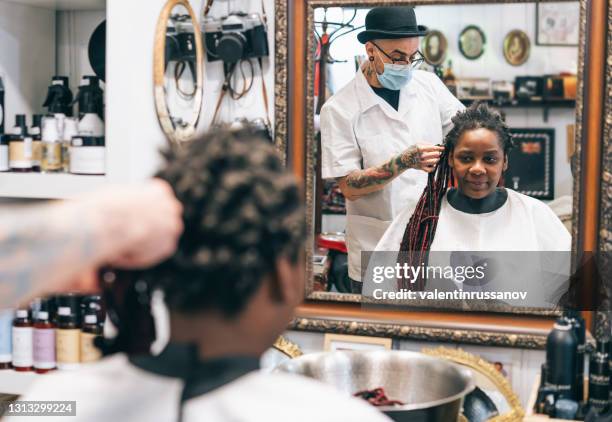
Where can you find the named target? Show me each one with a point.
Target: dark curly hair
(421, 228)
(242, 211)
(479, 116)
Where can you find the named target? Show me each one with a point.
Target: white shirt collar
(368, 98)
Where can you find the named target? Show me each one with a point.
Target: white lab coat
(115, 390)
(361, 130)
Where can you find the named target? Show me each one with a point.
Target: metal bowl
(431, 388)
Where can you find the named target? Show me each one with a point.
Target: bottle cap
(42, 315)
(64, 311)
(91, 319)
(37, 120)
(562, 324)
(22, 313)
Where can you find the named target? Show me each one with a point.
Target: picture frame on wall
(434, 47)
(558, 23)
(531, 164)
(338, 342)
(472, 42)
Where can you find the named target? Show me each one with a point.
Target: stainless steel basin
(431, 388)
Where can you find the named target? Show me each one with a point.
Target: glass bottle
(20, 146)
(90, 331)
(23, 337)
(51, 146)
(67, 339)
(6, 334)
(44, 343)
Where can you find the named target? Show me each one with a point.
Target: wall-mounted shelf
(545, 105)
(13, 382)
(63, 4)
(46, 186)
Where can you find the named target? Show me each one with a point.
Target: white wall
(131, 112)
(27, 58)
(495, 21)
(74, 29)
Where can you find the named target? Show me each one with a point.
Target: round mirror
(178, 74)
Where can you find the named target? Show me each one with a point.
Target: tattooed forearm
(41, 246)
(383, 174)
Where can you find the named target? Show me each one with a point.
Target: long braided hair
(421, 229)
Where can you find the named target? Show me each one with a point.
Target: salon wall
(74, 29)
(130, 106)
(495, 21)
(25, 35)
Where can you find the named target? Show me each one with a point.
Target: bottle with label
(23, 341)
(6, 341)
(4, 152)
(51, 146)
(90, 331)
(599, 377)
(561, 352)
(71, 129)
(67, 339)
(44, 343)
(35, 133)
(20, 146)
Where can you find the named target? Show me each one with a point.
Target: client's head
(239, 261)
(478, 148)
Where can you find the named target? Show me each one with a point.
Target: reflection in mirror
(387, 84)
(178, 70)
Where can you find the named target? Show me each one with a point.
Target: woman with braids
(231, 289)
(477, 215)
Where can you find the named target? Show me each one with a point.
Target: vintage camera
(180, 40)
(235, 37)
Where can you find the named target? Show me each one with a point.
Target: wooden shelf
(46, 186)
(64, 4)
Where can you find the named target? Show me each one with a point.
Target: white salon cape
(361, 130)
(114, 390)
(521, 226)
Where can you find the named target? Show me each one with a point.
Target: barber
(379, 133)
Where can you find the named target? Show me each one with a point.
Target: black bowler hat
(391, 23)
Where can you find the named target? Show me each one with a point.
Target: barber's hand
(140, 226)
(422, 157)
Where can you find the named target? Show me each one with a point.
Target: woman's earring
(371, 58)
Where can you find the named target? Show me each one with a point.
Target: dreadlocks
(421, 228)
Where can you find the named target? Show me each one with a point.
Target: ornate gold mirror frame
(176, 134)
(486, 369)
(592, 216)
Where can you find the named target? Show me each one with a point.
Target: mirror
(524, 61)
(178, 70)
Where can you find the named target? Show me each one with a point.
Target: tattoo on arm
(38, 246)
(384, 173)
